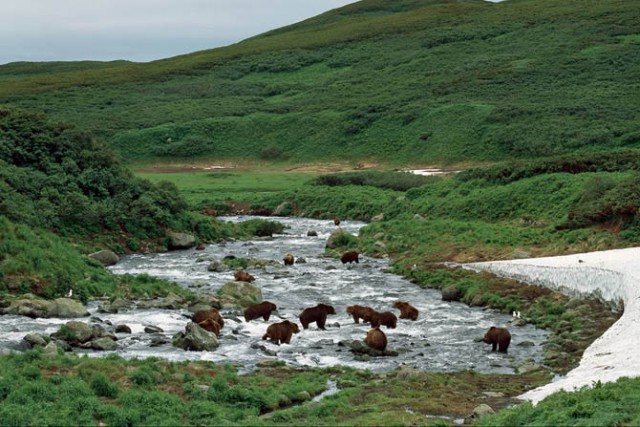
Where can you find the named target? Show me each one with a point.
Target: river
(444, 338)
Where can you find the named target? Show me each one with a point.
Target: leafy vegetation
(463, 81)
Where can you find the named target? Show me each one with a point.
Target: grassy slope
(425, 82)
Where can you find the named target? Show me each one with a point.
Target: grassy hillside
(432, 81)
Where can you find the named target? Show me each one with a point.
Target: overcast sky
(139, 30)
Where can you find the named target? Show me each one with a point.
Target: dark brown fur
(256, 311)
(243, 276)
(213, 314)
(386, 318)
(316, 314)
(288, 259)
(407, 311)
(281, 332)
(336, 221)
(376, 339)
(360, 312)
(498, 337)
(349, 257)
(211, 326)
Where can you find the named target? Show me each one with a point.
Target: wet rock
(74, 332)
(312, 234)
(33, 308)
(181, 240)
(478, 301)
(153, 329)
(158, 340)
(63, 344)
(102, 344)
(123, 329)
(195, 338)
(519, 322)
(451, 293)
(301, 260)
(105, 257)
(322, 343)
(35, 340)
(171, 301)
(116, 306)
(99, 331)
(218, 267)
(205, 302)
(263, 348)
(66, 308)
(527, 367)
(96, 319)
(525, 344)
(239, 294)
(360, 348)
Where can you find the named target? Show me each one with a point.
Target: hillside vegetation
(421, 82)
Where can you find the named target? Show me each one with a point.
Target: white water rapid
(612, 275)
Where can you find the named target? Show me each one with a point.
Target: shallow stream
(442, 339)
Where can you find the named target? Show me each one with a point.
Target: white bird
(70, 293)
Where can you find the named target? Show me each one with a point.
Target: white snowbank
(614, 275)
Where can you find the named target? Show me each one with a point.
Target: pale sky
(139, 30)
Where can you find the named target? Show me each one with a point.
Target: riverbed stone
(34, 308)
(312, 233)
(451, 293)
(102, 344)
(105, 257)
(116, 306)
(195, 338)
(218, 266)
(66, 308)
(153, 329)
(35, 340)
(239, 294)
(123, 329)
(181, 240)
(480, 411)
(338, 235)
(74, 332)
(50, 350)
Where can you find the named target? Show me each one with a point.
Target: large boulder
(66, 308)
(105, 257)
(239, 294)
(102, 344)
(452, 293)
(74, 332)
(181, 240)
(195, 338)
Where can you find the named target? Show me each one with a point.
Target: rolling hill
(403, 82)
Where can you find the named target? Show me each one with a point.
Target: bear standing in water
(316, 314)
(288, 259)
(256, 311)
(498, 337)
(349, 257)
(213, 314)
(386, 318)
(407, 311)
(360, 312)
(281, 332)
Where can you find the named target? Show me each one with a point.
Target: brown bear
(376, 339)
(256, 311)
(316, 314)
(281, 332)
(407, 311)
(498, 337)
(336, 221)
(243, 276)
(213, 314)
(200, 247)
(386, 318)
(288, 259)
(211, 326)
(349, 257)
(360, 312)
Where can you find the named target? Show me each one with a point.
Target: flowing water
(442, 339)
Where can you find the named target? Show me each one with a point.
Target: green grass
(197, 187)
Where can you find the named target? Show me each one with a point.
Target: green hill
(421, 82)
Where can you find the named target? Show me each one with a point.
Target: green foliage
(262, 227)
(601, 404)
(102, 387)
(385, 180)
